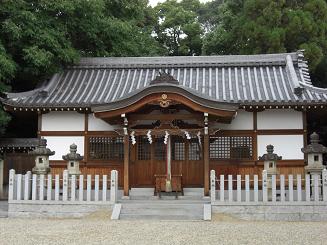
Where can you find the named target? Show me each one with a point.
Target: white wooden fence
(275, 189)
(45, 188)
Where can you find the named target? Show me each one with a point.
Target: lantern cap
(72, 156)
(314, 146)
(41, 149)
(270, 155)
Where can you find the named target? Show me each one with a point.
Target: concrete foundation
(55, 209)
(274, 212)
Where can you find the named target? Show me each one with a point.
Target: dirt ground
(99, 229)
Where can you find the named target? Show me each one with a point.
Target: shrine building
(176, 116)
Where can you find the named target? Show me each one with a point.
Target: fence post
(96, 188)
(81, 188)
(104, 188)
(222, 189)
(307, 187)
(264, 186)
(273, 188)
(57, 187)
(299, 187)
(238, 188)
(41, 188)
(65, 185)
(213, 185)
(324, 185)
(27, 185)
(290, 188)
(88, 187)
(11, 184)
(73, 188)
(247, 188)
(316, 187)
(113, 186)
(230, 188)
(19, 187)
(34, 184)
(282, 188)
(256, 189)
(49, 187)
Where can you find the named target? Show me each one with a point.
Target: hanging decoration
(199, 137)
(166, 137)
(188, 136)
(149, 136)
(133, 138)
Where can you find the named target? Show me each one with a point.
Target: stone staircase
(142, 205)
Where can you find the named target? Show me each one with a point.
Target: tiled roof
(244, 79)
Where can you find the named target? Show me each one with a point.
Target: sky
(155, 2)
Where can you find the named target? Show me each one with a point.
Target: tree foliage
(270, 26)
(177, 27)
(39, 37)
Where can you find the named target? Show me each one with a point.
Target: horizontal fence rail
(69, 188)
(266, 188)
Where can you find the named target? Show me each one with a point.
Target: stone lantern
(315, 153)
(73, 159)
(270, 160)
(41, 154)
(270, 165)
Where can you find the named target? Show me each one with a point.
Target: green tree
(269, 26)
(40, 37)
(177, 28)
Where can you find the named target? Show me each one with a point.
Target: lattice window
(194, 151)
(231, 147)
(178, 148)
(143, 148)
(106, 148)
(160, 149)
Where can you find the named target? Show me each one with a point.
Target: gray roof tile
(244, 79)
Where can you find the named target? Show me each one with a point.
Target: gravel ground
(100, 230)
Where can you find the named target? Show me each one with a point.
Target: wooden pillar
(206, 155)
(126, 165)
(305, 132)
(206, 164)
(126, 156)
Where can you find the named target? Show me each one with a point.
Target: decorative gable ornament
(164, 78)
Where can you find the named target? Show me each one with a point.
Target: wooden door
(187, 160)
(147, 160)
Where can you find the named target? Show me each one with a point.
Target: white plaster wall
(96, 124)
(242, 121)
(62, 121)
(287, 146)
(60, 144)
(279, 119)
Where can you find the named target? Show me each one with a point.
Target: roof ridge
(181, 61)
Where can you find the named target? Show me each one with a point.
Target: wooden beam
(126, 165)
(157, 97)
(39, 124)
(166, 117)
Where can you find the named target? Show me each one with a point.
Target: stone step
(160, 217)
(162, 210)
(141, 192)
